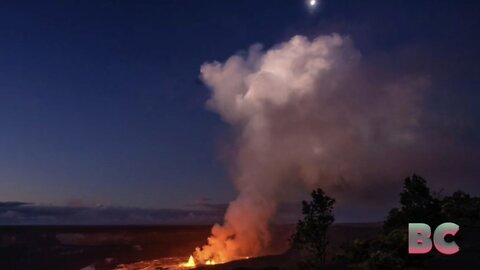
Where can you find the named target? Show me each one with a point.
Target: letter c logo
(441, 245)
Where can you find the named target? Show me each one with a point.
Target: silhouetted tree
(311, 233)
(461, 208)
(389, 250)
(417, 205)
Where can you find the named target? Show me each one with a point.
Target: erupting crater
(191, 263)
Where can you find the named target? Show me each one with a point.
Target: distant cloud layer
(20, 213)
(201, 212)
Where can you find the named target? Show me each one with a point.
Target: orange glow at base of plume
(190, 263)
(210, 262)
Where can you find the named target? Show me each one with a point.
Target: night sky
(102, 111)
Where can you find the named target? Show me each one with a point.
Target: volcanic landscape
(135, 247)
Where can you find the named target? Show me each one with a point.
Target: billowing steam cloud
(305, 114)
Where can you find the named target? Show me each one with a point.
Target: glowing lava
(210, 262)
(190, 263)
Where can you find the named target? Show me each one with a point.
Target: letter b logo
(419, 241)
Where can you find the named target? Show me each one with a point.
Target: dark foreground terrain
(102, 247)
(105, 247)
(467, 258)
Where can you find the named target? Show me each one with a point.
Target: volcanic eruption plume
(304, 114)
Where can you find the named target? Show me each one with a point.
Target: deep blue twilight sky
(101, 102)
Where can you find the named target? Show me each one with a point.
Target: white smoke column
(305, 114)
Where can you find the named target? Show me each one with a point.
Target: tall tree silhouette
(311, 234)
